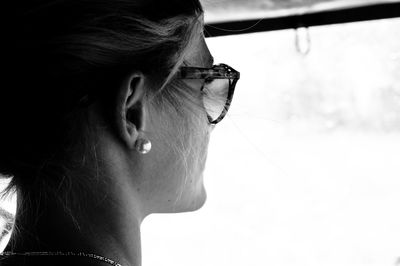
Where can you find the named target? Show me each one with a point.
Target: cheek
(190, 144)
(196, 141)
(179, 157)
(191, 191)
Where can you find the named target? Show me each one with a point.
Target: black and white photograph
(200, 132)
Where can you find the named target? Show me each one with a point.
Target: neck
(109, 227)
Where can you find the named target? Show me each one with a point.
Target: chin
(199, 201)
(192, 202)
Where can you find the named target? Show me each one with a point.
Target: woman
(107, 117)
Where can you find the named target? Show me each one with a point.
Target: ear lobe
(131, 110)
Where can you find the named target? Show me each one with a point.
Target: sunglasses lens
(215, 96)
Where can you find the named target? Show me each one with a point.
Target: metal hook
(303, 40)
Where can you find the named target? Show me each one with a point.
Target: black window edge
(354, 14)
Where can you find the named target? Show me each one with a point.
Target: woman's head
(87, 79)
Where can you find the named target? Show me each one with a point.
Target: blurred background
(305, 169)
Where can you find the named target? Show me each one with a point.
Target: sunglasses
(218, 88)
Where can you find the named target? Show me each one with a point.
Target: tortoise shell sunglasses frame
(221, 71)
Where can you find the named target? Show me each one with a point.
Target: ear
(131, 109)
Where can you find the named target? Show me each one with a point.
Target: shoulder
(6, 260)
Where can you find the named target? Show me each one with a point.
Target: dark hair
(65, 53)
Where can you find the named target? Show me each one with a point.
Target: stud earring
(142, 145)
